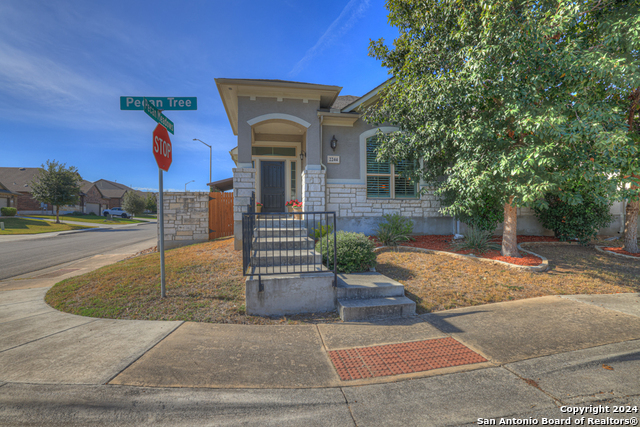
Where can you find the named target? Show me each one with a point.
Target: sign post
(162, 151)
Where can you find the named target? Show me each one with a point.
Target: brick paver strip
(405, 358)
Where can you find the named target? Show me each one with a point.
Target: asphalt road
(25, 256)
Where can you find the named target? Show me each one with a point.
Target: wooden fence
(220, 215)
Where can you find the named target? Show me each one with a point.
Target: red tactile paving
(405, 358)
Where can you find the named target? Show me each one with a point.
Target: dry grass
(204, 284)
(440, 282)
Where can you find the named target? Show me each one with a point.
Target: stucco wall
(186, 218)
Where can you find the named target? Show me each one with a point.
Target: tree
(513, 98)
(57, 185)
(133, 203)
(151, 204)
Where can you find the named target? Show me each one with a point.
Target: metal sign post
(163, 291)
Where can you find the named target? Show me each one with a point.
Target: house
(104, 194)
(18, 180)
(8, 198)
(304, 141)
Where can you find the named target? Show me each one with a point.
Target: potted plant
(297, 207)
(258, 207)
(289, 205)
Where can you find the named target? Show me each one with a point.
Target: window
(383, 178)
(273, 151)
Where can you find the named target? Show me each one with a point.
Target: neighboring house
(103, 194)
(8, 198)
(304, 141)
(18, 180)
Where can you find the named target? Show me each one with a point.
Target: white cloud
(338, 28)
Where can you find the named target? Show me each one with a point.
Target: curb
(535, 269)
(601, 249)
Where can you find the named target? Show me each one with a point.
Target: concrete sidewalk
(541, 353)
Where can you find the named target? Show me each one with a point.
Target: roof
(343, 101)
(366, 99)
(223, 184)
(111, 189)
(231, 89)
(18, 179)
(85, 186)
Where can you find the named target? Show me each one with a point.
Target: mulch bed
(620, 251)
(443, 243)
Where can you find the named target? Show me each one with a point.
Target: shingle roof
(18, 179)
(343, 101)
(111, 189)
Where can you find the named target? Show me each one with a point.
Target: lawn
(440, 282)
(95, 219)
(34, 226)
(148, 216)
(204, 283)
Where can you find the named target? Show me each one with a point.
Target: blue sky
(65, 64)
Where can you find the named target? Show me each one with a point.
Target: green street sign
(160, 102)
(156, 115)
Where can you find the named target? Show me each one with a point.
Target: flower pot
(289, 208)
(258, 209)
(296, 209)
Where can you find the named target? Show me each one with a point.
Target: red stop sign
(162, 147)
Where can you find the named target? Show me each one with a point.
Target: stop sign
(162, 147)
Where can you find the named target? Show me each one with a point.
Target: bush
(354, 252)
(581, 221)
(394, 230)
(322, 231)
(483, 211)
(477, 240)
(8, 211)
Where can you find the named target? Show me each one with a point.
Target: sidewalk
(540, 354)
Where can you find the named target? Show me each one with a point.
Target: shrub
(322, 231)
(483, 211)
(8, 211)
(354, 252)
(580, 221)
(477, 240)
(394, 230)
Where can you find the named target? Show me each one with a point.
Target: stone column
(244, 183)
(314, 190)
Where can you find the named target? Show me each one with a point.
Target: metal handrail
(284, 243)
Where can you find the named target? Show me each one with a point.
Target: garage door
(93, 208)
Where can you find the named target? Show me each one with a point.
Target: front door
(272, 186)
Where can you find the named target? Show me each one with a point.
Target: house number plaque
(333, 159)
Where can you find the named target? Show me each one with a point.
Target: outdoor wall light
(334, 143)
(303, 154)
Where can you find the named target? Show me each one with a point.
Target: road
(25, 256)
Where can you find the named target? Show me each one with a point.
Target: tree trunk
(509, 234)
(57, 214)
(631, 227)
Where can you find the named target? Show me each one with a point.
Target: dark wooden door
(272, 186)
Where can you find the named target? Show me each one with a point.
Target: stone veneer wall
(313, 190)
(244, 183)
(186, 218)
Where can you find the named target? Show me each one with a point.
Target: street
(32, 254)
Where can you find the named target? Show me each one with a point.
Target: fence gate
(220, 215)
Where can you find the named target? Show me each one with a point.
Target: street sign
(162, 148)
(156, 115)
(160, 102)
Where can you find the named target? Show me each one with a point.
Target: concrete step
(268, 258)
(279, 221)
(287, 269)
(366, 309)
(280, 232)
(283, 243)
(367, 285)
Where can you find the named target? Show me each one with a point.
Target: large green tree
(511, 97)
(133, 203)
(57, 185)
